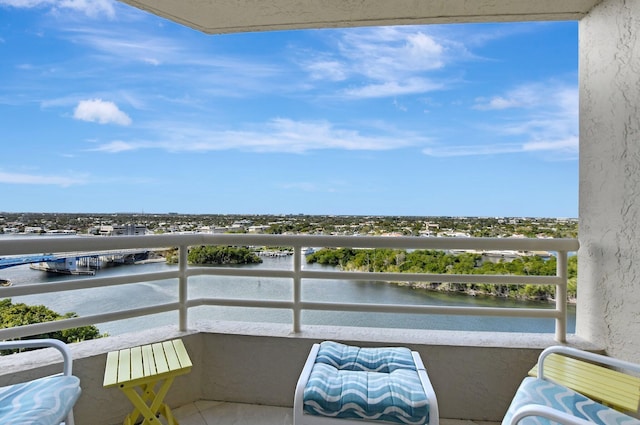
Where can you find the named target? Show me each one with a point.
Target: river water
(109, 299)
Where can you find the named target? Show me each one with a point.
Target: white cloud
(547, 122)
(471, 150)
(117, 146)
(392, 52)
(399, 106)
(20, 178)
(25, 3)
(228, 75)
(569, 145)
(524, 96)
(100, 111)
(331, 70)
(151, 61)
(130, 46)
(277, 135)
(91, 8)
(394, 88)
(499, 102)
(385, 61)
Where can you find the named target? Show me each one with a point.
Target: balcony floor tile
(218, 413)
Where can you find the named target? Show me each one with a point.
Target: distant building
(33, 229)
(258, 229)
(241, 224)
(123, 230)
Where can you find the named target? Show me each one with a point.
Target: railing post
(182, 287)
(561, 296)
(297, 287)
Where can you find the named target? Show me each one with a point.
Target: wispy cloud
(472, 150)
(327, 69)
(394, 88)
(128, 45)
(277, 135)
(523, 96)
(146, 55)
(392, 52)
(91, 8)
(39, 179)
(100, 111)
(547, 122)
(118, 146)
(386, 62)
(568, 145)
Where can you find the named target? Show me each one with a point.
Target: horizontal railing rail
(15, 246)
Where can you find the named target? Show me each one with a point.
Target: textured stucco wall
(608, 310)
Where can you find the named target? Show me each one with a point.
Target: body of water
(114, 298)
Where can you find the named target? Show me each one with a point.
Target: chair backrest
(599, 382)
(60, 393)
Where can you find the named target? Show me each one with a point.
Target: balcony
(474, 373)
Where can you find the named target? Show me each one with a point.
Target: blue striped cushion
(366, 383)
(545, 393)
(347, 357)
(44, 401)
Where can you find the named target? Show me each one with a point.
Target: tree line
(19, 314)
(441, 262)
(213, 254)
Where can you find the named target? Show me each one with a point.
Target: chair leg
(69, 419)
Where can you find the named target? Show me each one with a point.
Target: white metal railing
(39, 245)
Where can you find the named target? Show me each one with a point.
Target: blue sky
(106, 108)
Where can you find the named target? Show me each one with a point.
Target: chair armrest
(546, 412)
(38, 343)
(298, 400)
(593, 357)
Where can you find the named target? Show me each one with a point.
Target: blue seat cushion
(347, 357)
(44, 401)
(366, 383)
(546, 393)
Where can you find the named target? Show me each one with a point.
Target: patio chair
(575, 387)
(43, 401)
(348, 385)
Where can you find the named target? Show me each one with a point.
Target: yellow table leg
(148, 403)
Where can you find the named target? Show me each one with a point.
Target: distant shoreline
(475, 293)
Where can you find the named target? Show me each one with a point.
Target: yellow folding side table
(145, 374)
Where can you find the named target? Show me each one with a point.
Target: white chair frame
(41, 343)
(557, 415)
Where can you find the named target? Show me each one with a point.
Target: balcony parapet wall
(475, 374)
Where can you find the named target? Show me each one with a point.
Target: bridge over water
(76, 262)
(18, 261)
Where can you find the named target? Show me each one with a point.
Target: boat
(5, 282)
(308, 251)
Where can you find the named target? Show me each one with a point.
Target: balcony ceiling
(228, 16)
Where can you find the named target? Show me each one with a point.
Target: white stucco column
(608, 312)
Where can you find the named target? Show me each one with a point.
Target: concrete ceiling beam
(229, 16)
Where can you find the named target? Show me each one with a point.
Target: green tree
(12, 315)
(222, 255)
(440, 262)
